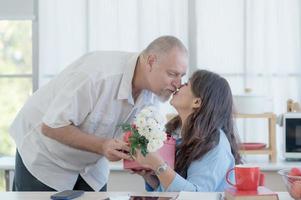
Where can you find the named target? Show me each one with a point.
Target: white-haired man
(67, 131)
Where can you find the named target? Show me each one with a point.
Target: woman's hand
(152, 160)
(149, 177)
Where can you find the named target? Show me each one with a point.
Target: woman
(208, 147)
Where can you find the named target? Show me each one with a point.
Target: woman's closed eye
(184, 84)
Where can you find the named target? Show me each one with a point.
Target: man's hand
(115, 149)
(70, 135)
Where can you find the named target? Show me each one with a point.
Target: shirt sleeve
(148, 188)
(71, 103)
(205, 175)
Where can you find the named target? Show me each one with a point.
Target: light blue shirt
(208, 174)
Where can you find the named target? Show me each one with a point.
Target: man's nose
(177, 83)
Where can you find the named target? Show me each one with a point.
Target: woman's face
(184, 100)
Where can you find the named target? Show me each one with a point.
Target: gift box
(167, 152)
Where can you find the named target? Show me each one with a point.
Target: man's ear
(197, 102)
(151, 59)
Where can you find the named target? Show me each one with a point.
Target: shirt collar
(125, 88)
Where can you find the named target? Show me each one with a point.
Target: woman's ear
(196, 103)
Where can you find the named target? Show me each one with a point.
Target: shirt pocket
(103, 125)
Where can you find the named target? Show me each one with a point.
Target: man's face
(166, 72)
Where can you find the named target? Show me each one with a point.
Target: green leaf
(136, 140)
(144, 151)
(125, 127)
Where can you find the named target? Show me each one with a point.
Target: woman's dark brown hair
(201, 130)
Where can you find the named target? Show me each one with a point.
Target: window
(15, 74)
(17, 30)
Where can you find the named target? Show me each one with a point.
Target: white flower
(150, 124)
(140, 122)
(154, 145)
(146, 112)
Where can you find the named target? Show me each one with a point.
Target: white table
(85, 196)
(7, 164)
(104, 195)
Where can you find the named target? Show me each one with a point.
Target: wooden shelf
(271, 117)
(259, 151)
(271, 150)
(261, 115)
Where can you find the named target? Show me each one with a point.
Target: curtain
(132, 24)
(69, 28)
(62, 35)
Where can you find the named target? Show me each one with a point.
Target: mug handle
(261, 179)
(227, 177)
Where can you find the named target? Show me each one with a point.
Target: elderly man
(67, 131)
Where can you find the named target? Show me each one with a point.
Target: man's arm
(72, 136)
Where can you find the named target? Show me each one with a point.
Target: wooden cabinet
(271, 149)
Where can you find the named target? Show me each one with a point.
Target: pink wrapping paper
(167, 152)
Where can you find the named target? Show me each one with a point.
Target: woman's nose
(184, 84)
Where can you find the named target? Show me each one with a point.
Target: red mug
(246, 178)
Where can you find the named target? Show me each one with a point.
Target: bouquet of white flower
(147, 132)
